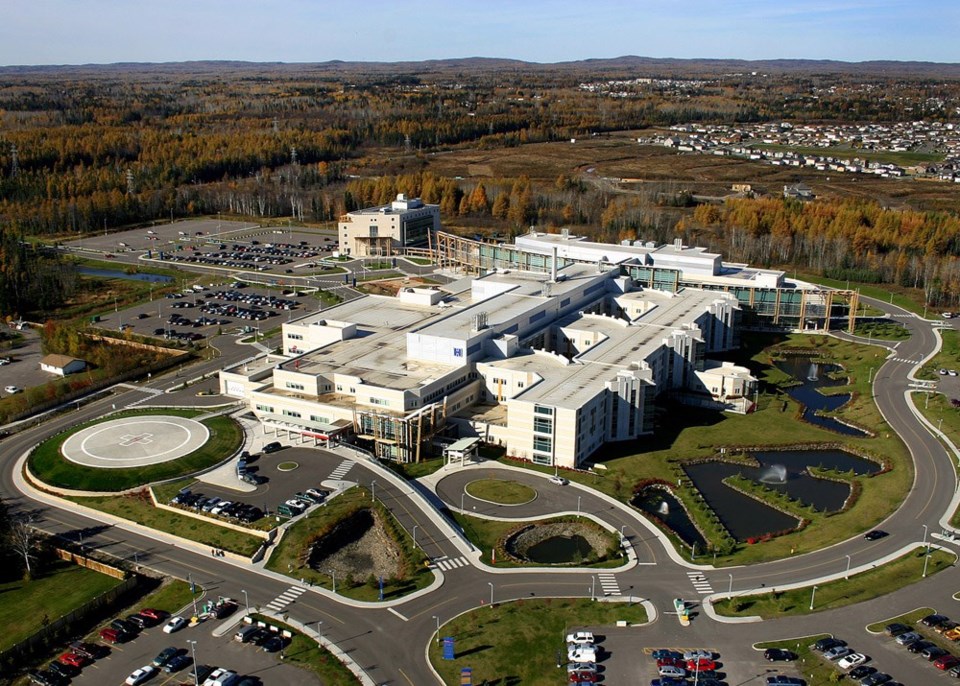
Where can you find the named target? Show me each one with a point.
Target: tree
(24, 540)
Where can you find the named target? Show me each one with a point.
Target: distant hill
(618, 66)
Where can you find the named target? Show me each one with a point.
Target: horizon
(63, 33)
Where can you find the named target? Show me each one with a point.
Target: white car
(851, 661)
(671, 671)
(175, 624)
(580, 637)
(138, 676)
(582, 667)
(582, 653)
(11, 389)
(559, 480)
(835, 654)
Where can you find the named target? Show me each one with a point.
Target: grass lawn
(947, 358)
(940, 412)
(415, 470)
(517, 642)
(884, 331)
(48, 465)
(138, 508)
(64, 587)
(289, 556)
(841, 593)
(501, 491)
(685, 433)
(418, 260)
(910, 299)
(172, 596)
(816, 670)
(306, 653)
(488, 534)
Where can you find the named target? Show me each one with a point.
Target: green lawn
(289, 556)
(517, 642)
(841, 593)
(423, 261)
(489, 534)
(501, 491)
(941, 413)
(909, 619)
(685, 433)
(27, 605)
(910, 299)
(172, 596)
(137, 508)
(883, 331)
(48, 465)
(947, 358)
(306, 653)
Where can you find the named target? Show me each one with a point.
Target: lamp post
(193, 654)
(436, 618)
(414, 535)
(730, 589)
(926, 559)
(319, 629)
(462, 496)
(373, 490)
(622, 537)
(333, 575)
(578, 507)
(246, 600)
(490, 584)
(846, 574)
(812, 596)
(593, 588)
(926, 530)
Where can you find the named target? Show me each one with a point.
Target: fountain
(664, 508)
(774, 474)
(812, 374)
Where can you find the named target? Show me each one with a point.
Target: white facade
(379, 231)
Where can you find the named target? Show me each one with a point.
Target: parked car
(698, 654)
(275, 644)
(918, 646)
(851, 661)
(876, 679)
(138, 676)
(113, 636)
(177, 663)
(945, 662)
(62, 670)
(90, 651)
(896, 629)
(934, 620)
(272, 447)
(861, 671)
(825, 644)
(836, 653)
(664, 652)
(670, 670)
(73, 659)
(124, 625)
(580, 637)
(908, 637)
(933, 652)
(784, 680)
(165, 655)
(559, 480)
(778, 655)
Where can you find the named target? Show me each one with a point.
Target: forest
(102, 148)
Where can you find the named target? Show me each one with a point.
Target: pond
(660, 504)
(813, 376)
(783, 470)
(117, 274)
(559, 550)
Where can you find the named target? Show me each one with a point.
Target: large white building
(549, 365)
(404, 223)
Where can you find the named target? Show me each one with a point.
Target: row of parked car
(916, 643)
(268, 641)
(69, 664)
(852, 662)
(674, 667)
(242, 512)
(299, 503)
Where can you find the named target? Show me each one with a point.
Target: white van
(245, 634)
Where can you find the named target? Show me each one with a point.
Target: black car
(918, 646)
(875, 535)
(124, 626)
(202, 672)
(272, 447)
(139, 621)
(861, 671)
(177, 663)
(784, 680)
(261, 637)
(825, 644)
(896, 629)
(46, 678)
(91, 651)
(778, 655)
(934, 620)
(62, 670)
(932, 653)
(877, 679)
(274, 643)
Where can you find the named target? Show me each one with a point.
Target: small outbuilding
(61, 365)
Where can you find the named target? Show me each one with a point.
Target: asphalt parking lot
(24, 368)
(245, 659)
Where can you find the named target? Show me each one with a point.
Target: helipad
(135, 441)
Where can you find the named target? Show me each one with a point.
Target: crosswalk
(608, 583)
(903, 359)
(700, 583)
(285, 598)
(342, 470)
(447, 563)
(151, 393)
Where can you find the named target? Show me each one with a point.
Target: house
(61, 365)
(800, 191)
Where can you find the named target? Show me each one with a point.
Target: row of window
(295, 386)
(295, 336)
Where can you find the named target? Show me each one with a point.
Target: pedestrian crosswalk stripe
(285, 598)
(608, 583)
(446, 563)
(700, 583)
(341, 470)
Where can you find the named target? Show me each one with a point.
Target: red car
(72, 659)
(946, 662)
(701, 665)
(670, 662)
(152, 614)
(583, 677)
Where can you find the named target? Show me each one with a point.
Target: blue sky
(82, 31)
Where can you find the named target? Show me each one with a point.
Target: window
(543, 444)
(538, 316)
(294, 336)
(564, 302)
(542, 409)
(291, 413)
(320, 420)
(295, 386)
(379, 401)
(265, 408)
(543, 425)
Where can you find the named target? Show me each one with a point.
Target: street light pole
(812, 596)
(415, 536)
(193, 654)
(373, 490)
(846, 575)
(437, 619)
(593, 588)
(319, 629)
(246, 600)
(462, 496)
(926, 559)
(578, 507)
(490, 584)
(730, 589)
(333, 574)
(926, 530)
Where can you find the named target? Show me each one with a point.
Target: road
(369, 634)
